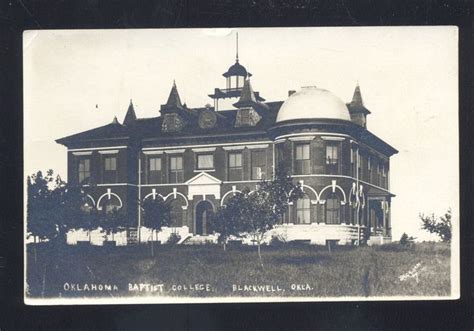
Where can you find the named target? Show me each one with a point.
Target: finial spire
(236, 47)
(130, 116)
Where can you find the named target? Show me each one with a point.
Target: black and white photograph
(241, 165)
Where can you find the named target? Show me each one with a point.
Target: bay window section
(332, 159)
(235, 170)
(302, 165)
(333, 210)
(176, 169)
(303, 211)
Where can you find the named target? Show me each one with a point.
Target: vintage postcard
(241, 165)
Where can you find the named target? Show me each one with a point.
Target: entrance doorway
(204, 213)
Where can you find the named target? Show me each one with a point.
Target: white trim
(257, 146)
(152, 152)
(201, 174)
(90, 197)
(108, 194)
(343, 176)
(333, 187)
(241, 181)
(82, 153)
(204, 170)
(312, 134)
(160, 185)
(112, 151)
(302, 138)
(110, 184)
(332, 138)
(175, 193)
(96, 148)
(234, 148)
(174, 151)
(204, 149)
(165, 149)
(279, 141)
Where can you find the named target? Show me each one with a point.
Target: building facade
(197, 158)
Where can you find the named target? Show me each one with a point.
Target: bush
(173, 239)
(405, 240)
(277, 240)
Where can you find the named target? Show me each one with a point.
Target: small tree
(257, 212)
(438, 225)
(112, 221)
(228, 219)
(156, 214)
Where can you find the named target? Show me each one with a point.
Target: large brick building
(196, 158)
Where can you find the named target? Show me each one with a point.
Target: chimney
(291, 92)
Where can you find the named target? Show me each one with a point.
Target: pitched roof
(130, 117)
(357, 104)
(173, 99)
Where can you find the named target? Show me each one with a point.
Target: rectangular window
(154, 170)
(333, 208)
(235, 166)
(259, 164)
(303, 211)
(302, 160)
(176, 169)
(205, 161)
(244, 116)
(110, 169)
(84, 171)
(332, 159)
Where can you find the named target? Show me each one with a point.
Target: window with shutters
(235, 170)
(259, 164)
(302, 165)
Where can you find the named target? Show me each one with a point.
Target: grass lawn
(288, 271)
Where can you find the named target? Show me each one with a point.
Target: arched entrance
(204, 213)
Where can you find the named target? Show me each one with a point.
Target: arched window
(111, 204)
(333, 210)
(303, 211)
(176, 213)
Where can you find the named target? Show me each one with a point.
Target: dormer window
(245, 116)
(172, 123)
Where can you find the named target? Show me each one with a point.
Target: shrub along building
(197, 158)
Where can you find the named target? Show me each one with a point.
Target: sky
(80, 79)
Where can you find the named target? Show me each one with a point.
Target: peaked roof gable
(130, 117)
(203, 178)
(173, 99)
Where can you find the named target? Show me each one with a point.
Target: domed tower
(341, 166)
(235, 76)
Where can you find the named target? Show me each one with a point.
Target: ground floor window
(333, 210)
(303, 211)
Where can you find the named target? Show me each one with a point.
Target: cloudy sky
(77, 80)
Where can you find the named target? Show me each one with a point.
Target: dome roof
(313, 103)
(236, 70)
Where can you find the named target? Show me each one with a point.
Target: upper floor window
(332, 159)
(110, 169)
(205, 161)
(302, 160)
(176, 169)
(235, 166)
(303, 211)
(259, 164)
(84, 170)
(154, 170)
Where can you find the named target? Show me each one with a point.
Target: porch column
(384, 216)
